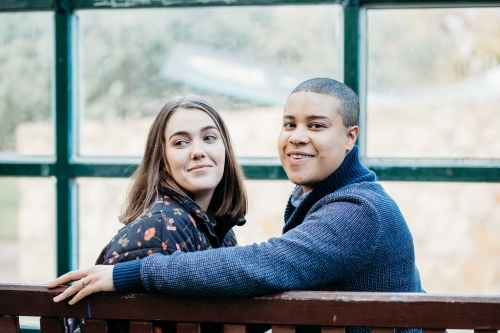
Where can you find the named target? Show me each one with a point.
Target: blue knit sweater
(347, 235)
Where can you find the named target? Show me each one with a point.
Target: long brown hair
(229, 199)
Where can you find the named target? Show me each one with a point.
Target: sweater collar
(351, 171)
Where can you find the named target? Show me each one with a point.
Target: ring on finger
(83, 283)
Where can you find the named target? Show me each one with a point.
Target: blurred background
(432, 90)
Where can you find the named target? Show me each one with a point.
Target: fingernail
(55, 299)
(70, 302)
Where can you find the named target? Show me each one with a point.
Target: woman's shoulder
(138, 237)
(164, 224)
(160, 209)
(161, 213)
(167, 203)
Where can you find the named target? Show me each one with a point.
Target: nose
(197, 151)
(299, 136)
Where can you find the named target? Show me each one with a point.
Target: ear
(352, 135)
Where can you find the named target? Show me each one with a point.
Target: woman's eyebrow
(203, 129)
(178, 133)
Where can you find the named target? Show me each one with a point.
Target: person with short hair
(342, 230)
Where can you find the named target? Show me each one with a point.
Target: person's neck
(203, 199)
(306, 189)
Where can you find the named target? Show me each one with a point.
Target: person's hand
(86, 281)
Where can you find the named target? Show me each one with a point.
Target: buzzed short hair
(348, 98)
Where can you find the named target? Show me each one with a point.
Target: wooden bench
(333, 311)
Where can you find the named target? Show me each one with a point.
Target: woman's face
(195, 152)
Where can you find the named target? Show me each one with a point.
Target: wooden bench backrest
(333, 311)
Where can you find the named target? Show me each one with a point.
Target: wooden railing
(334, 311)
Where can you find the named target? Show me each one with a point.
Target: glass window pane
(27, 230)
(455, 229)
(454, 226)
(101, 199)
(433, 83)
(245, 60)
(26, 58)
(266, 204)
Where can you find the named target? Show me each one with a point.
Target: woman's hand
(86, 281)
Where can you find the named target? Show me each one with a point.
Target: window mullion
(351, 52)
(64, 102)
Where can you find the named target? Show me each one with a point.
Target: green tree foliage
(123, 50)
(26, 59)
(429, 47)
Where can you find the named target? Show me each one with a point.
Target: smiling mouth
(299, 156)
(202, 166)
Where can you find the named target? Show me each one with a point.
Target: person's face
(313, 141)
(195, 152)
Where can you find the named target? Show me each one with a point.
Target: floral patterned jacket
(171, 223)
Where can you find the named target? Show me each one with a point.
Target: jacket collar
(215, 234)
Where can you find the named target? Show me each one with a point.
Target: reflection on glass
(455, 229)
(26, 57)
(244, 60)
(433, 83)
(27, 230)
(100, 201)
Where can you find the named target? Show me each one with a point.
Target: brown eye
(317, 126)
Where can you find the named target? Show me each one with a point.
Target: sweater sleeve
(334, 241)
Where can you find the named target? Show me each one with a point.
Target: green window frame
(67, 167)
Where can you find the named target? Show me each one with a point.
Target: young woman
(187, 194)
